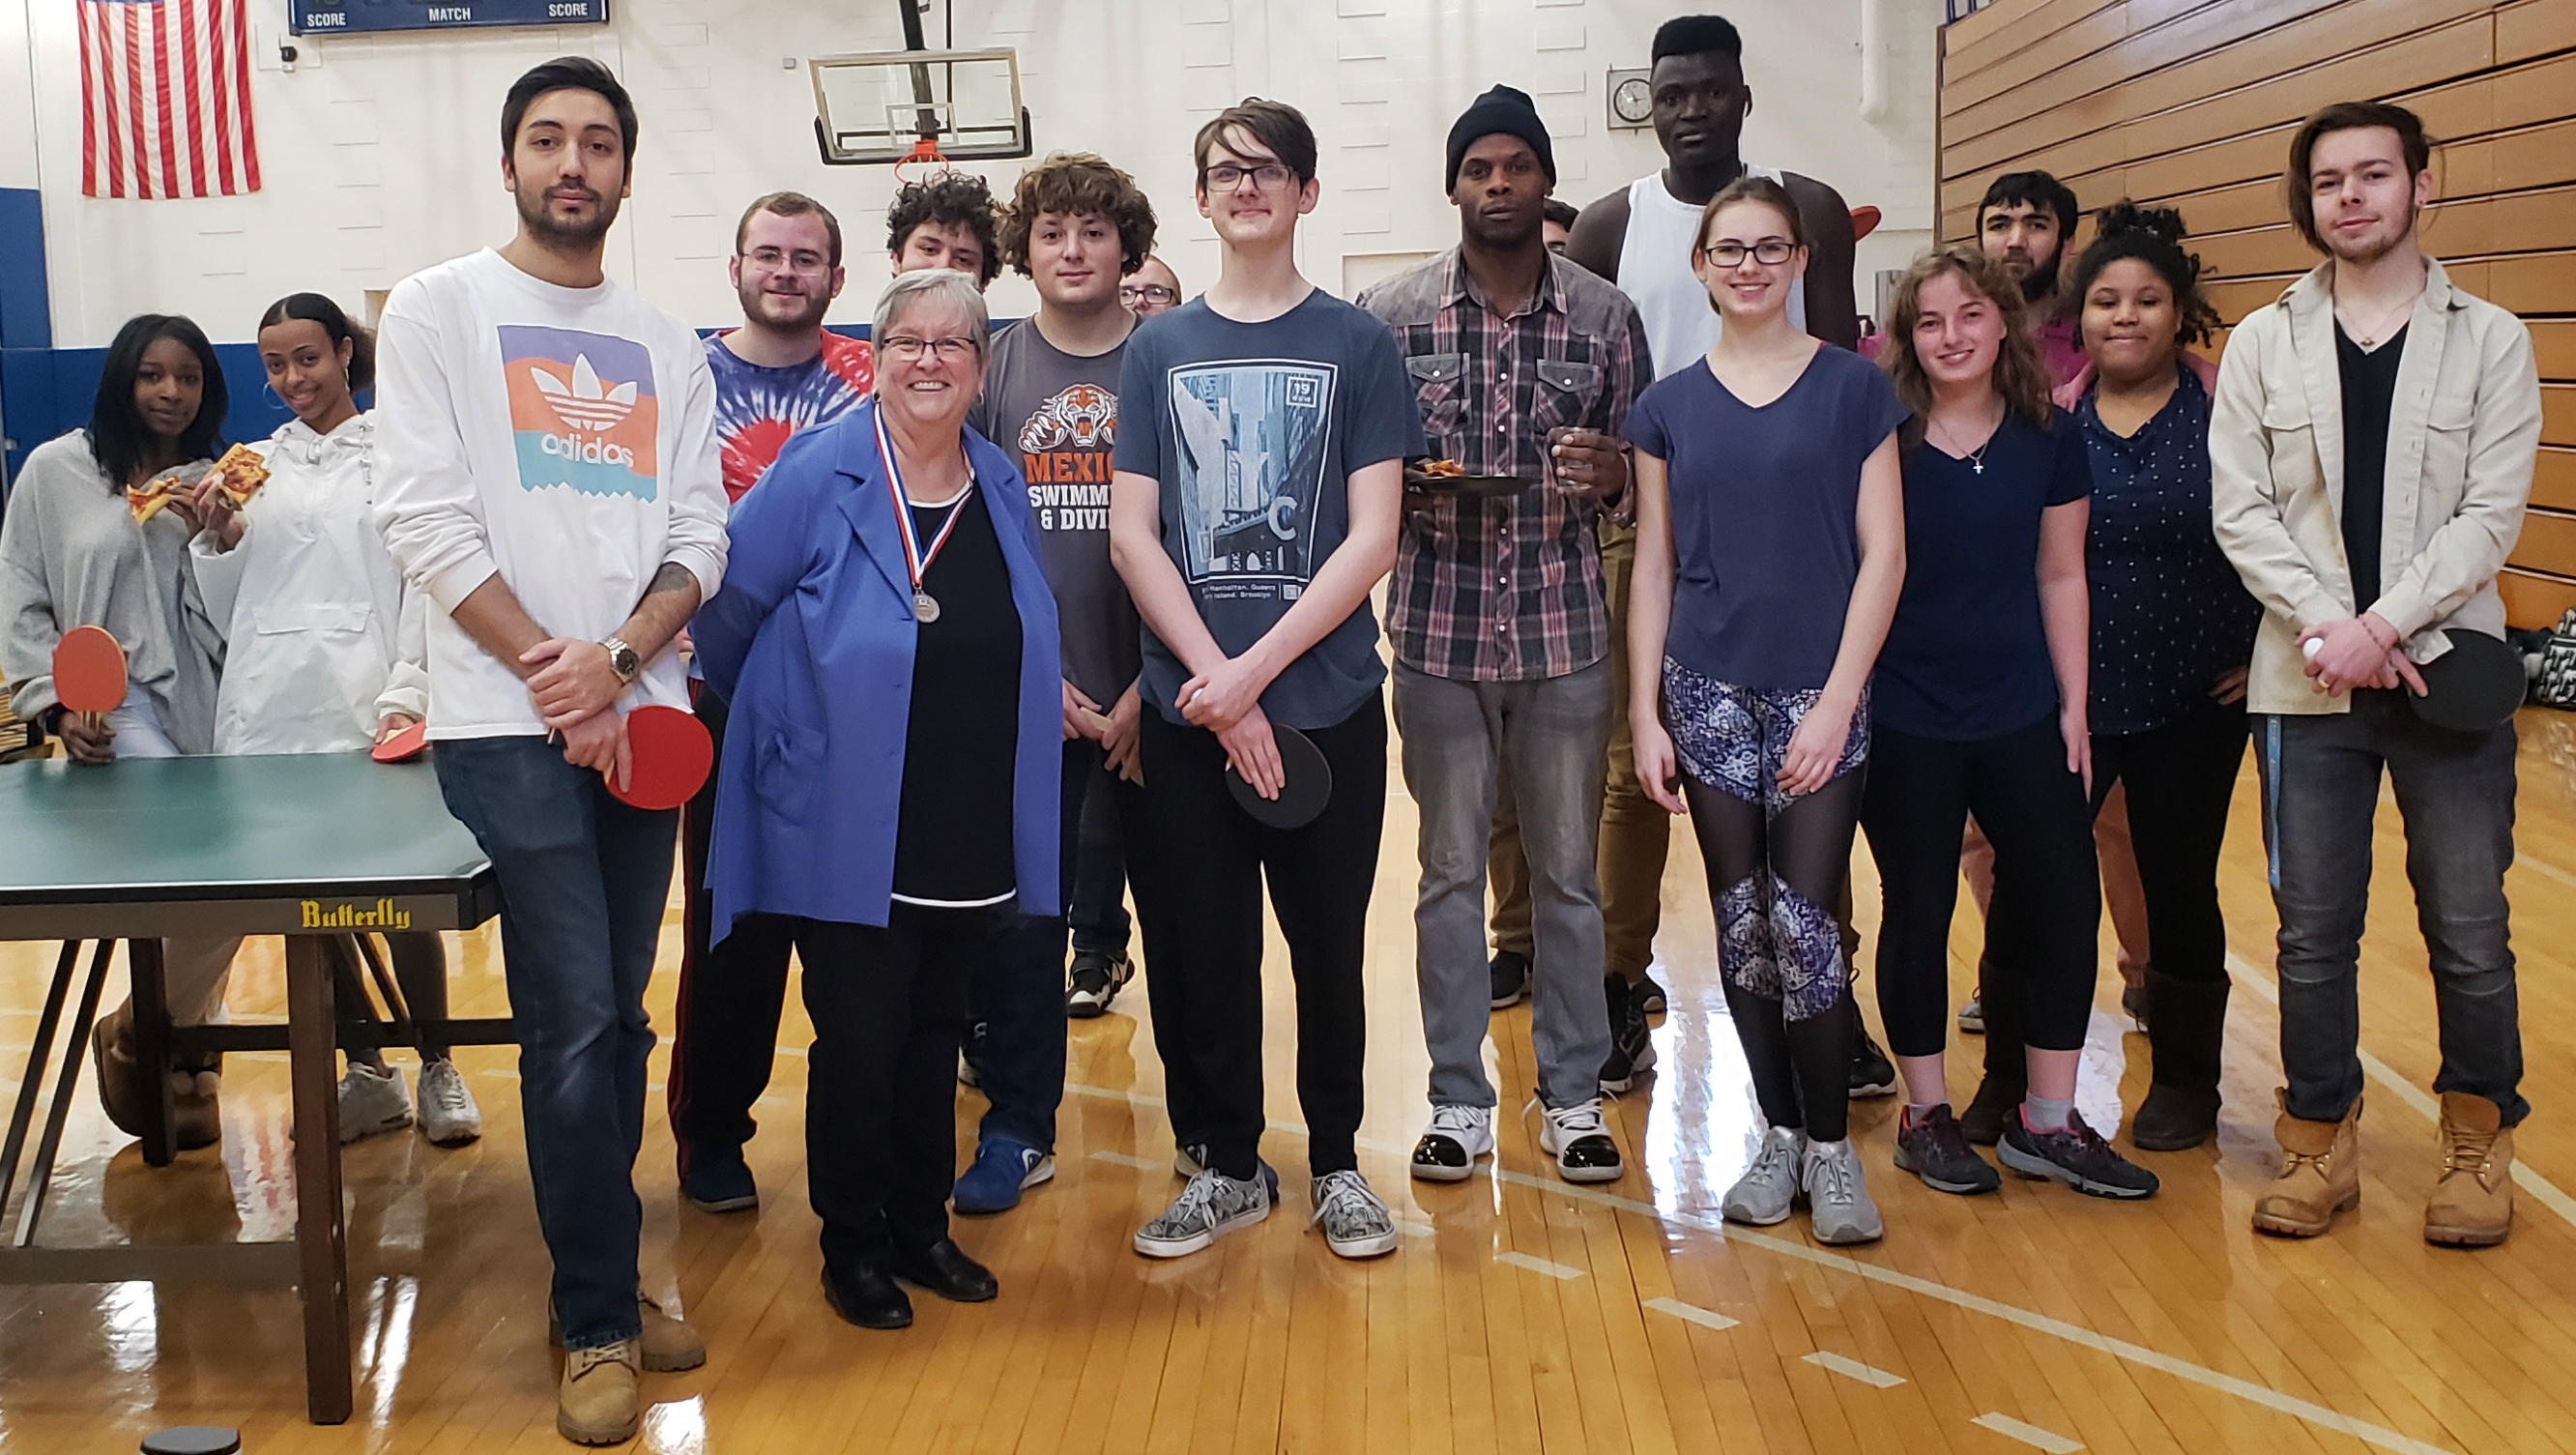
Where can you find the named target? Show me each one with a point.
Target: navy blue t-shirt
(1765, 508)
(1966, 657)
(1253, 430)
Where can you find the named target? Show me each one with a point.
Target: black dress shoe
(944, 1269)
(867, 1296)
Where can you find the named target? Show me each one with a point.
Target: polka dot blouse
(2170, 615)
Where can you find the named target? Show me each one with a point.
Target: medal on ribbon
(925, 607)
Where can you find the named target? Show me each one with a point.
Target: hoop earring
(273, 397)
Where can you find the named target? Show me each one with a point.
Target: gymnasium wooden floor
(1520, 1314)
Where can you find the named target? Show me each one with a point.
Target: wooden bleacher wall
(2191, 103)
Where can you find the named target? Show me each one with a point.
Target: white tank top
(1655, 273)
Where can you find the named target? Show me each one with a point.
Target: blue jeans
(1548, 734)
(2455, 794)
(583, 879)
(1019, 994)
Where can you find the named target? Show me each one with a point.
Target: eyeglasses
(1226, 176)
(1132, 294)
(1770, 252)
(910, 349)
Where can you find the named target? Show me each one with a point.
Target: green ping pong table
(307, 847)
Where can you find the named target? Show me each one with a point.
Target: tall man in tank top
(1640, 238)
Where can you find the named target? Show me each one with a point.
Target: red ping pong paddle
(89, 672)
(671, 755)
(403, 746)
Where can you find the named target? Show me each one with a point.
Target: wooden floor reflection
(1520, 1314)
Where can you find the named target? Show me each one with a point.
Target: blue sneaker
(1002, 1170)
(719, 1183)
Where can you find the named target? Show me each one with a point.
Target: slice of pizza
(241, 472)
(147, 499)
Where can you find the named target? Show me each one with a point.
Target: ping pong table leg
(321, 1240)
(151, 999)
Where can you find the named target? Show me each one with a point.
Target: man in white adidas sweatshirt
(549, 476)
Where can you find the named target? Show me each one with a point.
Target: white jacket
(324, 637)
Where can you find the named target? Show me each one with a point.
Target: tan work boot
(597, 1403)
(667, 1345)
(2472, 1204)
(2320, 1174)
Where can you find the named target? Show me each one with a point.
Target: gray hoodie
(71, 555)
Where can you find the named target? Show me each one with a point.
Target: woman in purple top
(1770, 550)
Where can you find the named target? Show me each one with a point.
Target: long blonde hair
(2019, 376)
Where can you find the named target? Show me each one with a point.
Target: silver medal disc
(925, 607)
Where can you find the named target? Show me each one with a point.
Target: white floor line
(1871, 1375)
(1142, 1164)
(1691, 1313)
(2048, 1440)
(2121, 1349)
(2414, 1097)
(1538, 1265)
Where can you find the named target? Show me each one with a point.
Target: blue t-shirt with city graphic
(1253, 430)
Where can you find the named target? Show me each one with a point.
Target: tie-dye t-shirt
(757, 407)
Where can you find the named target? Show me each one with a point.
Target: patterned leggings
(1776, 866)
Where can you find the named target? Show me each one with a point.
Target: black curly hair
(951, 199)
(2153, 236)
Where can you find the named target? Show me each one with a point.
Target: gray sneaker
(372, 1101)
(1837, 1197)
(1355, 1223)
(1212, 1206)
(1763, 1195)
(448, 1116)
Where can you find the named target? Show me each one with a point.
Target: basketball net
(925, 155)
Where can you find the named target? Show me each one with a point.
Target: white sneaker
(1457, 1136)
(448, 1116)
(371, 1101)
(1355, 1223)
(1580, 1142)
(1768, 1188)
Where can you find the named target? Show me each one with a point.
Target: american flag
(165, 99)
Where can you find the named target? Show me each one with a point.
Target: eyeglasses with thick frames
(1771, 252)
(1132, 294)
(910, 349)
(1266, 177)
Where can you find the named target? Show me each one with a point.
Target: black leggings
(1801, 1067)
(2181, 777)
(2048, 891)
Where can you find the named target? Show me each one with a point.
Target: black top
(2170, 615)
(953, 828)
(1967, 656)
(2369, 390)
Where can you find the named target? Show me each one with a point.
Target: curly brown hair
(951, 199)
(1077, 184)
(2019, 376)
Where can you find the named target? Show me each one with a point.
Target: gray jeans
(1549, 735)
(2455, 794)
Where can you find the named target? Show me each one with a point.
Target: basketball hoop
(925, 154)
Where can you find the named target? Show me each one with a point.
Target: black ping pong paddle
(1306, 783)
(2472, 687)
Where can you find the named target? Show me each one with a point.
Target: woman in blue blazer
(886, 643)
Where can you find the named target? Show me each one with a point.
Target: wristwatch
(623, 661)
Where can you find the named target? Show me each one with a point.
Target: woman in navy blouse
(2173, 628)
(1980, 706)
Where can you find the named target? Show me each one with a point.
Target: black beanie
(1505, 111)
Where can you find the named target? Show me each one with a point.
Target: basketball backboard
(873, 108)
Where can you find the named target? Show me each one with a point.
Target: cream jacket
(2463, 435)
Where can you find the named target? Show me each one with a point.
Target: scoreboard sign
(356, 17)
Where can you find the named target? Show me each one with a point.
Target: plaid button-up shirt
(1505, 589)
